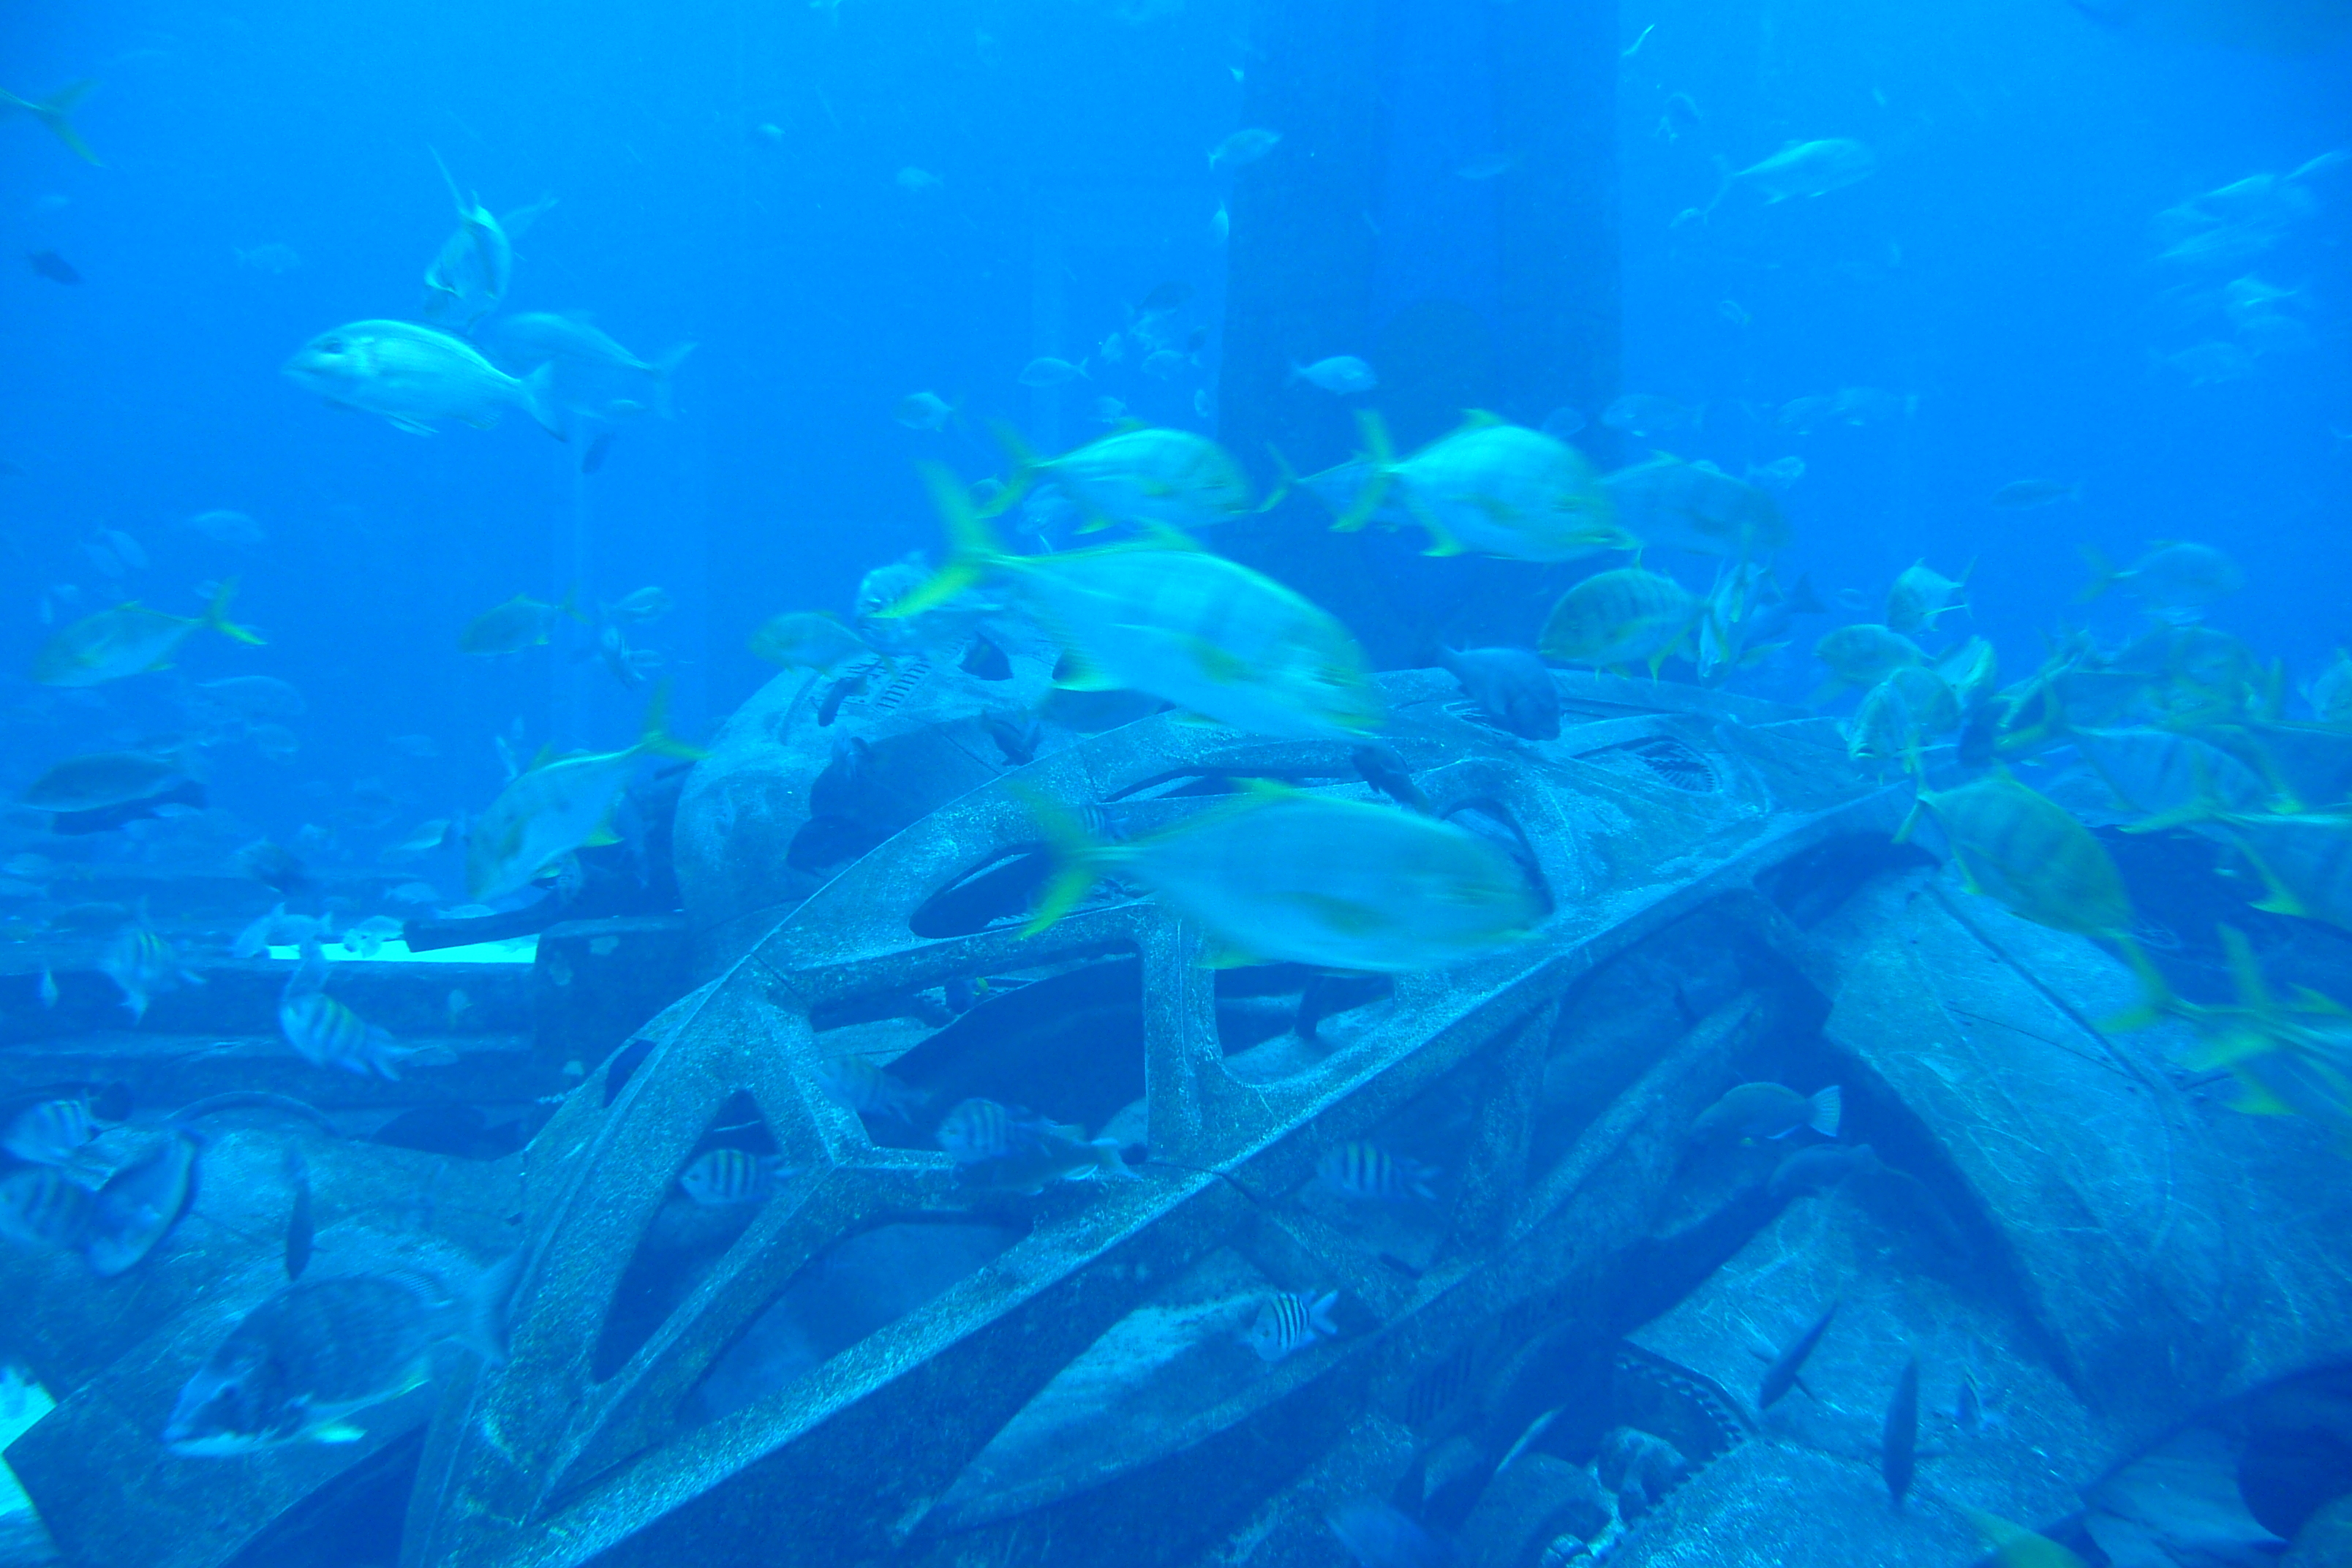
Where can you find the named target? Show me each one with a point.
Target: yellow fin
(1218, 665)
(340, 1432)
(1074, 672)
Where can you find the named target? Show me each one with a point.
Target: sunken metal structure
(1551, 1356)
(1656, 804)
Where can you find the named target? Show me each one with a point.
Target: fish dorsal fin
(547, 753)
(1269, 789)
(1481, 419)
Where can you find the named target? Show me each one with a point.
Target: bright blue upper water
(1999, 266)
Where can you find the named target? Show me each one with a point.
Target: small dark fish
(1017, 741)
(1164, 298)
(1679, 117)
(299, 1231)
(1770, 1110)
(1385, 772)
(140, 1205)
(1782, 1375)
(1512, 685)
(841, 690)
(1368, 1172)
(1899, 1459)
(721, 1177)
(53, 267)
(2021, 495)
(593, 458)
(1290, 1320)
(1967, 1409)
(1196, 340)
(987, 661)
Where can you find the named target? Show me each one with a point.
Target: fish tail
(656, 737)
(1286, 481)
(972, 550)
(1077, 861)
(538, 397)
(2156, 1000)
(1376, 489)
(2103, 574)
(1827, 1109)
(216, 615)
(1319, 1314)
(1026, 467)
(484, 1306)
(56, 112)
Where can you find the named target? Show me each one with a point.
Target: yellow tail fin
(656, 737)
(1077, 861)
(1376, 489)
(216, 615)
(972, 550)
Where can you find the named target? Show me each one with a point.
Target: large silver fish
(413, 375)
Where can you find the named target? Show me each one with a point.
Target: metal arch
(535, 1464)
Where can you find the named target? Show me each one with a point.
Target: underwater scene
(1176, 783)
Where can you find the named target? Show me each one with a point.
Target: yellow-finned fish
(1863, 654)
(2291, 1056)
(2014, 1546)
(1921, 595)
(1143, 475)
(2024, 849)
(1625, 616)
(1281, 875)
(129, 639)
(1496, 487)
(556, 807)
(1166, 617)
(519, 623)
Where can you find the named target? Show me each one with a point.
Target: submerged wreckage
(1452, 1258)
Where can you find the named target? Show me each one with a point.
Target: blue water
(840, 205)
